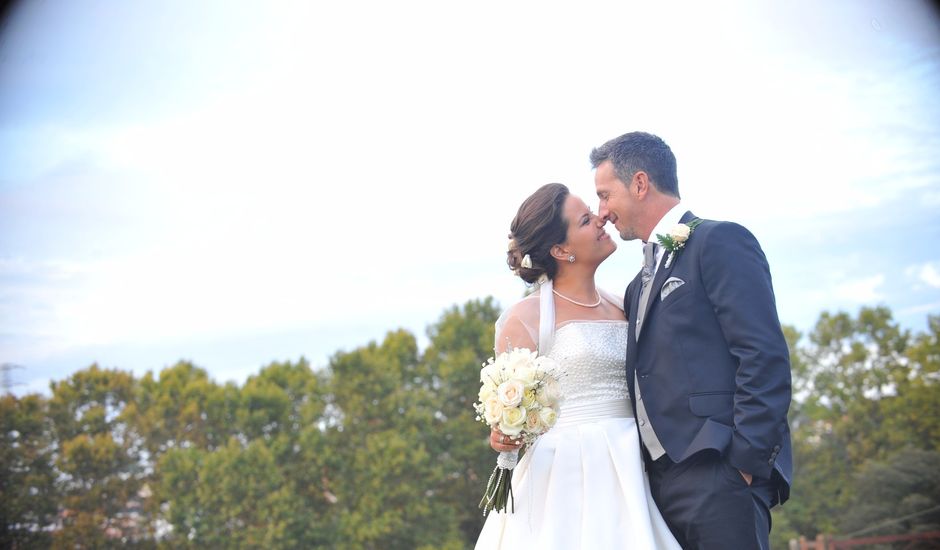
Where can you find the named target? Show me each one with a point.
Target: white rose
(545, 369)
(548, 416)
(550, 392)
(488, 373)
(520, 358)
(493, 411)
(513, 421)
(510, 392)
(526, 375)
(680, 233)
(486, 390)
(545, 366)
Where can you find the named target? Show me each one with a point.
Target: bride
(582, 484)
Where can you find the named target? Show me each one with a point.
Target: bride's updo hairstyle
(538, 226)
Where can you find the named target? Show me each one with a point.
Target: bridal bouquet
(519, 395)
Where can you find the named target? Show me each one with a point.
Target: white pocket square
(669, 286)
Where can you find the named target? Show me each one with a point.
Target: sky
(235, 183)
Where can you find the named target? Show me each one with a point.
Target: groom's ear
(640, 185)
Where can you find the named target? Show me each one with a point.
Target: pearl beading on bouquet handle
(507, 460)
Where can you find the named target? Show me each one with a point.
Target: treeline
(379, 449)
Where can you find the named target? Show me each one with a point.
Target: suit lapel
(632, 302)
(662, 273)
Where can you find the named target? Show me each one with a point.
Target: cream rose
(548, 416)
(513, 420)
(533, 422)
(493, 410)
(510, 392)
(528, 398)
(680, 233)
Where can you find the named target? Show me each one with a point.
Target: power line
(889, 522)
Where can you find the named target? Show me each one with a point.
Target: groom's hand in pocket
(503, 443)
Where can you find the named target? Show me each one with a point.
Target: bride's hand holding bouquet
(519, 397)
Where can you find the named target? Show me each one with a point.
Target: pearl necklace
(577, 303)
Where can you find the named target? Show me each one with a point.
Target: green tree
(900, 494)
(864, 389)
(98, 459)
(381, 471)
(28, 497)
(184, 408)
(853, 365)
(460, 341)
(910, 414)
(280, 400)
(181, 409)
(232, 497)
(284, 406)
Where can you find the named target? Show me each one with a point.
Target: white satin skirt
(582, 485)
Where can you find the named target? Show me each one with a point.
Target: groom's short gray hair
(637, 151)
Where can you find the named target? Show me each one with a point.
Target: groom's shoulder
(722, 229)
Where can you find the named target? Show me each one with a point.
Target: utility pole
(7, 379)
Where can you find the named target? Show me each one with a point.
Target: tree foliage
(866, 393)
(379, 447)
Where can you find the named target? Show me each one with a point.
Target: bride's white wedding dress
(583, 485)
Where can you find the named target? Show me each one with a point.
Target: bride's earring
(571, 259)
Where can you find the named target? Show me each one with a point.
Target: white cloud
(927, 273)
(860, 291)
(933, 307)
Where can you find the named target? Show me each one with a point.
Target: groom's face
(616, 203)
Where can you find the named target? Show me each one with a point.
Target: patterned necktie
(649, 258)
(646, 277)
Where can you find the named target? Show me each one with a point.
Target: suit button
(770, 462)
(642, 422)
(776, 448)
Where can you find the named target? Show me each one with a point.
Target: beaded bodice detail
(591, 357)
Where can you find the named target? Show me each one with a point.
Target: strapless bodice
(590, 357)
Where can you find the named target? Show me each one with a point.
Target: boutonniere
(676, 239)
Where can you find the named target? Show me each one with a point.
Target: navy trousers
(709, 506)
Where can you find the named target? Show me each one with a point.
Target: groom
(707, 364)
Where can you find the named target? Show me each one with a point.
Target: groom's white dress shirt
(647, 433)
(670, 220)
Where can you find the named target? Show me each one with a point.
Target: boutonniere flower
(675, 240)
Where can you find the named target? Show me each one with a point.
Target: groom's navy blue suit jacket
(712, 363)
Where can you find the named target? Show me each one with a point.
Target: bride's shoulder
(518, 326)
(525, 308)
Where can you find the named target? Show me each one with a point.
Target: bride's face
(587, 239)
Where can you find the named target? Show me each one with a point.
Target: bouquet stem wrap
(499, 488)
